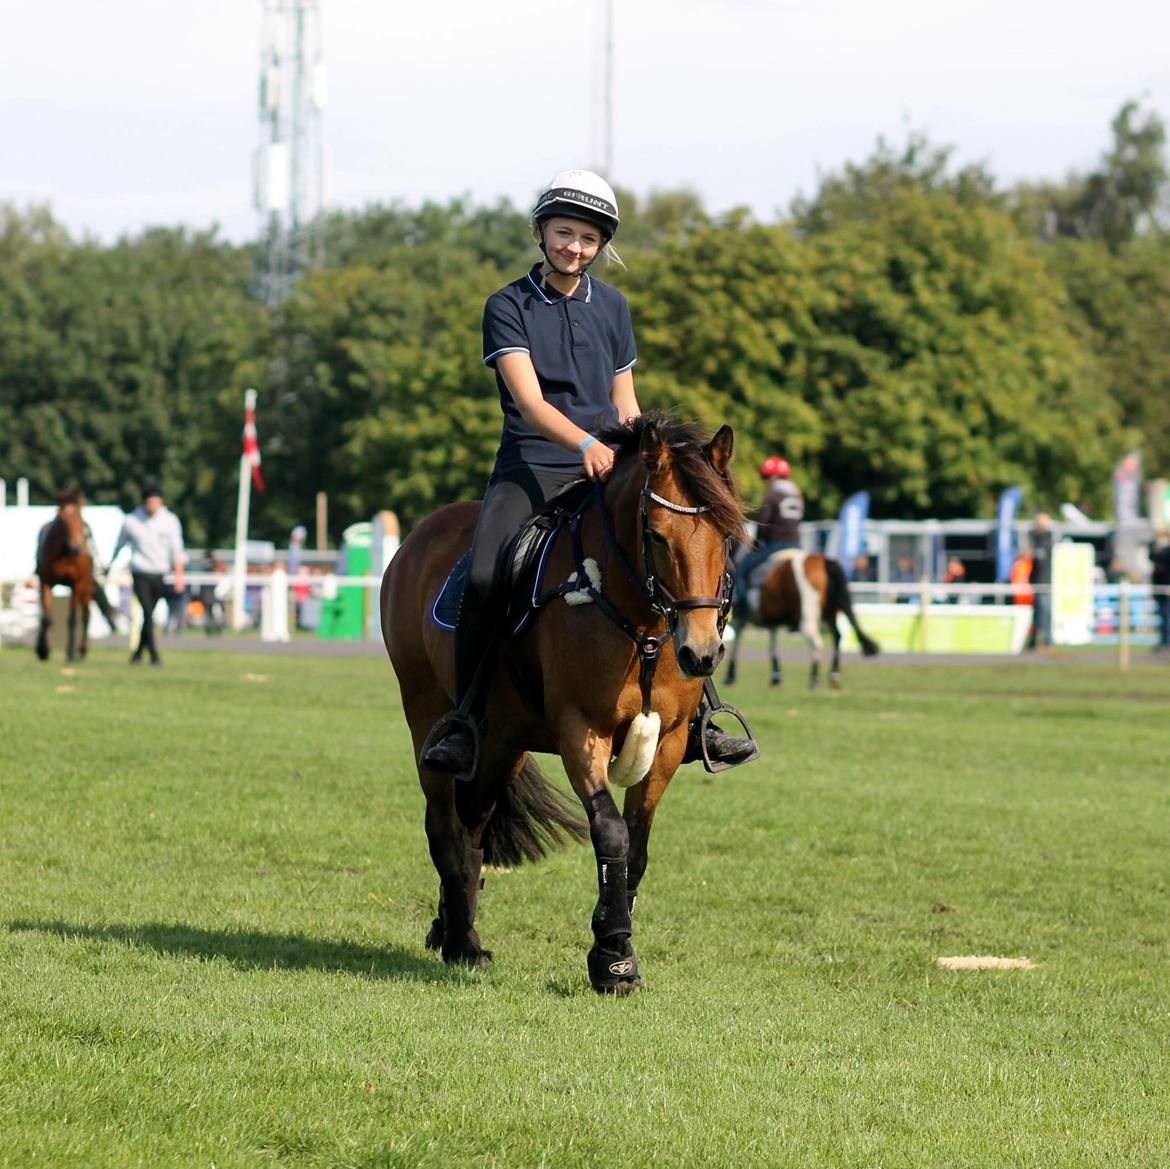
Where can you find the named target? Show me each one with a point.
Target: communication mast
(602, 120)
(289, 170)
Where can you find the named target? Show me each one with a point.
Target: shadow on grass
(255, 950)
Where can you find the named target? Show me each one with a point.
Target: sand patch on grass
(985, 962)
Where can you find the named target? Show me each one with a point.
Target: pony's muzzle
(700, 664)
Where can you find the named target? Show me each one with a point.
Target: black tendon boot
(613, 967)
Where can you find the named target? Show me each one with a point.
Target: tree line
(911, 329)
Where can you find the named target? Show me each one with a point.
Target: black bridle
(654, 594)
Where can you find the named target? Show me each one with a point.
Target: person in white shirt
(155, 537)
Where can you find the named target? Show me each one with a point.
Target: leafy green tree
(1115, 202)
(913, 345)
(110, 356)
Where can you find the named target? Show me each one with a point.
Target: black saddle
(522, 566)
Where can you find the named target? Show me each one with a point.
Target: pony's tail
(531, 818)
(840, 598)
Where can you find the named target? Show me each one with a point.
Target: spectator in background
(301, 590)
(864, 569)
(956, 573)
(209, 595)
(155, 537)
(1041, 581)
(1160, 580)
(176, 599)
(1021, 574)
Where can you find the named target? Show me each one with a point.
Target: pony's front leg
(816, 652)
(74, 615)
(613, 967)
(642, 802)
(46, 623)
(774, 653)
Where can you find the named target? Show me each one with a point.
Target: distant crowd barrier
(924, 617)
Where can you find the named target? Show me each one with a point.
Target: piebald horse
(799, 591)
(607, 675)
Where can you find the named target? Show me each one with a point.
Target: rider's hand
(598, 460)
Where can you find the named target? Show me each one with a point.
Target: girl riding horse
(562, 347)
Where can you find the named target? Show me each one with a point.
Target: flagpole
(240, 562)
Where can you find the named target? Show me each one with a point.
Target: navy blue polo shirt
(577, 344)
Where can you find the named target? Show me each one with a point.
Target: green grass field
(214, 889)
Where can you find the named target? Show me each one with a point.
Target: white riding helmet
(579, 194)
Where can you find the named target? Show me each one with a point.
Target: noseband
(657, 595)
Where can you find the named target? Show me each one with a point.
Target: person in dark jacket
(1041, 581)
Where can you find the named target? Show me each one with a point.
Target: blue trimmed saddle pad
(523, 581)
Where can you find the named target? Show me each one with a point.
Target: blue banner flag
(1005, 533)
(851, 525)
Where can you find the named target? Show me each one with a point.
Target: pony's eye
(657, 537)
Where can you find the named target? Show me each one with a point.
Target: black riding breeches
(511, 497)
(149, 589)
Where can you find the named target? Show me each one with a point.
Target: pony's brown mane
(685, 441)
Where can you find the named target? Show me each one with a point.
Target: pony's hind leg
(733, 657)
(459, 865)
(774, 654)
(453, 837)
(835, 638)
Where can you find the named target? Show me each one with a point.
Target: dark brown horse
(63, 558)
(800, 590)
(608, 675)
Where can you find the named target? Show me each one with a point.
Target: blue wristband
(585, 442)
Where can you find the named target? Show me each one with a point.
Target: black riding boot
(722, 749)
(454, 750)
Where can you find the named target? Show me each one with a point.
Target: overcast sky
(126, 113)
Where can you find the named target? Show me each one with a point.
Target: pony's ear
(652, 448)
(720, 448)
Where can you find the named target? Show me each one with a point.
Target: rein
(649, 586)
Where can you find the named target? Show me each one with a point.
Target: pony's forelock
(685, 441)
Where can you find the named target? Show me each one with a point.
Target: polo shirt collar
(584, 290)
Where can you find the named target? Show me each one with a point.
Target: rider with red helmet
(777, 524)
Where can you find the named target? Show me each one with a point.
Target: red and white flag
(251, 444)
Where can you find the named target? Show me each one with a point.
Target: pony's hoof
(834, 681)
(435, 935)
(43, 653)
(729, 680)
(777, 680)
(473, 957)
(614, 972)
